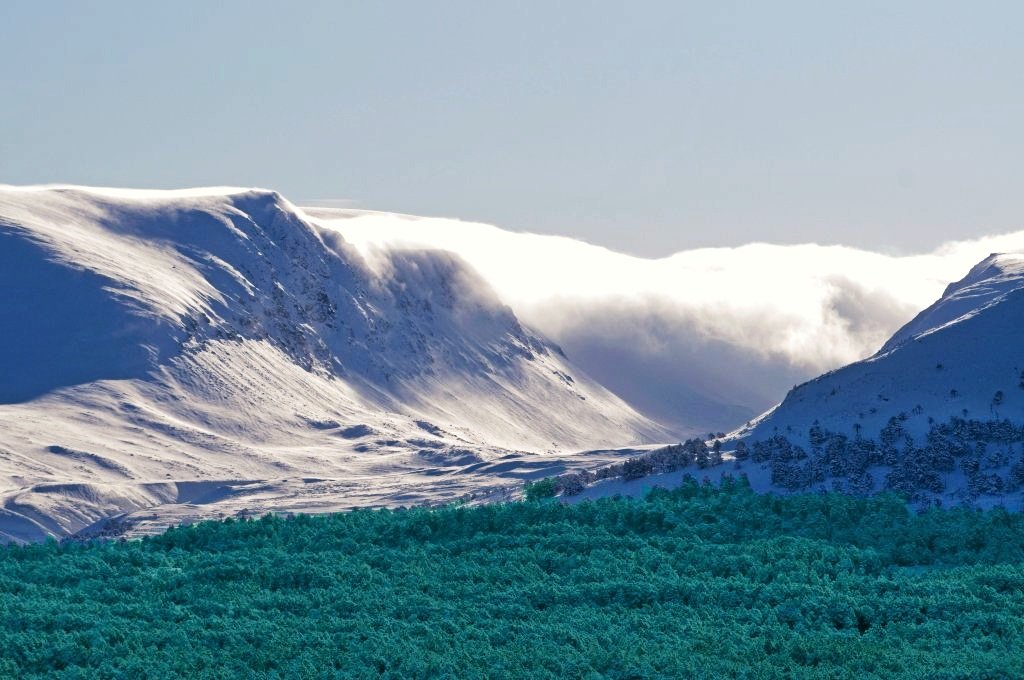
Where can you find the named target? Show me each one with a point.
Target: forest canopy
(696, 581)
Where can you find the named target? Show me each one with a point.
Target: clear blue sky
(645, 126)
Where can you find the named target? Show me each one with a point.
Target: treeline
(691, 453)
(989, 454)
(699, 581)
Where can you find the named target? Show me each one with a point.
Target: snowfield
(166, 356)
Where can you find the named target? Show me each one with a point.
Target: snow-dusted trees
(573, 484)
(635, 468)
(986, 453)
(1016, 477)
(741, 453)
(981, 450)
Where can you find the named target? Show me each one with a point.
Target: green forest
(699, 581)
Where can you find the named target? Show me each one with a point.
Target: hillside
(937, 414)
(960, 357)
(195, 353)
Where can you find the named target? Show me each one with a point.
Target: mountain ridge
(990, 279)
(226, 338)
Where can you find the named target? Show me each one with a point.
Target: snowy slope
(191, 353)
(950, 360)
(937, 413)
(987, 283)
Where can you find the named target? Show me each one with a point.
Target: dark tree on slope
(635, 468)
(985, 483)
(573, 484)
(716, 453)
(741, 453)
(1016, 480)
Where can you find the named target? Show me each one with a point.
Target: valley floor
(383, 479)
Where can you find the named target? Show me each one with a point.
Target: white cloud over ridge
(703, 339)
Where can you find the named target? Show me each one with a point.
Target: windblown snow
(174, 355)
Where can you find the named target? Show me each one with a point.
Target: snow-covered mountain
(960, 357)
(215, 351)
(937, 412)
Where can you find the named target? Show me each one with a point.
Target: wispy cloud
(331, 202)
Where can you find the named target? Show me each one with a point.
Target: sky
(645, 127)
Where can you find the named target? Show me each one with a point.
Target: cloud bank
(704, 339)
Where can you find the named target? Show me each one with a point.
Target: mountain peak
(986, 283)
(948, 361)
(226, 338)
